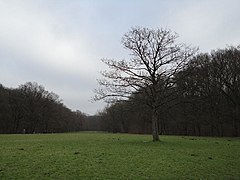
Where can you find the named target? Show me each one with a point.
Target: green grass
(117, 156)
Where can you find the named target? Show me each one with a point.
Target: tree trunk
(194, 130)
(16, 123)
(221, 129)
(212, 130)
(199, 130)
(235, 121)
(238, 119)
(155, 131)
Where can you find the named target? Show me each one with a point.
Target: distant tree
(31, 109)
(225, 73)
(34, 96)
(156, 58)
(212, 88)
(5, 123)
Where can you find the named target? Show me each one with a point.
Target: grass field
(117, 156)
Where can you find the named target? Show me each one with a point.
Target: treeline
(205, 101)
(31, 109)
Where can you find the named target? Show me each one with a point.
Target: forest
(204, 100)
(32, 109)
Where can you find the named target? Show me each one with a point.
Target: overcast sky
(59, 43)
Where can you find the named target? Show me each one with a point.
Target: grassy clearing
(117, 156)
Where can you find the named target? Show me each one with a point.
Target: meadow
(117, 156)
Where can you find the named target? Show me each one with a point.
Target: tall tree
(226, 75)
(155, 58)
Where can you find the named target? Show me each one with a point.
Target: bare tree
(155, 59)
(225, 74)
